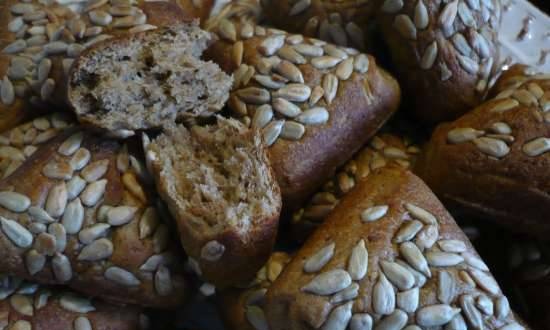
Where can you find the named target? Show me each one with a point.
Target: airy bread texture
(219, 186)
(147, 80)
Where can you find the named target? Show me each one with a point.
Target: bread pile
(153, 153)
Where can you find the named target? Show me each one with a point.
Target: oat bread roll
(389, 256)
(382, 150)
(445, 52)
(147, 80)
(27, 305)
(316, 103)
(40, 40)
(343, 23)
(493, 161)
(77, 213)
(219, 187)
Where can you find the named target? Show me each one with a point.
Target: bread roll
(77, 213)
(493, 161)
(218, 185)
(389, 256)
(39, 41)
(316, 103)
(446, 53)
(147, 80)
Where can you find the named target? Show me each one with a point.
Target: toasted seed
(293, 92)
(427, 237)
(93, 192)
(286, 108)
(396, 320)
(504, 105)
(309, 50)
(430, 55)
(536, 147)
(330, 86)
(392, 6)
(421, 214)
(374, 213)
(325, 62)
(272, 131)
(289, 71)
(338, 318)
(61, 268)
(76, 304)
(383, 298)
(45, 244)
(90, 234)
(471, 312)
(408, 300)
(502, 308)
(435, 315)
(18, 234)
(485, 281)
(475, 262)
(97, 250)
(328, 283)
(398, 275)
(415, 258)
(7, 91)
(82, 323)
(408, 231)
(14, 202)
(405, 26)
(314, 116)
(271, 44)
(317, 261)
(212, 251)
(121, 276)
(351, 292)
(492, 147)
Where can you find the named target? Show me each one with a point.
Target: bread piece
(383, 150)
(446, 53)
(27, 305)
(218, 185)
(242, 308)
(344, 23)
(493, 161)
(315, 111)
(39, 40)
(76, 213)
(147, 80)
(389, 255)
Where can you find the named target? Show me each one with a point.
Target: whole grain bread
(218, 185)
(78, 212)
(446, 53)
(316, 103)
(147, 80)
(493, 161)
(387, 257)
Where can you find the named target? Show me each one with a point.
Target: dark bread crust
(289, 307)
(512, 190)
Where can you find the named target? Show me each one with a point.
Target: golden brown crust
(446, 53)
(498, 169)
(361, 103)
(296, 300)
(51, 240)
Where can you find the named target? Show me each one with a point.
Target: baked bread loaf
(20, 142)
(343, 23)
(383, 150)
(26, 305)
(389, 256)
(77, 213)
(39, 41)
(218, 185)
(316, 103)
(445, 52)
(493, 161)
(147, 80)
(242, 308)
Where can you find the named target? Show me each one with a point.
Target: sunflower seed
(290, 54)
(396, 320)
(421, 16)
(237, 53)
(7, 92)
(256, 317)
(286, 108)
(58, 231)
(351, 292)
(18, 234)
(153, 263)
(468, 64)
(457, 323)
(485, 305)
(421, 214)
(473, 4)
(383, 298)
(272, 131)
(470, 311)
(446, 287)
(452, 245)
(90, 234)
(536, 147)
(502, 308)
(95, 170)
(335, 51)
(345, 69)
(480, 44)
(392, 6)
(504, 105)
(443, 259)
(271, 44)
(314, 116)
(34, 262)
(492, 147)
(22, 304)
(374, 213)
(289, 71)
(75, 185)
(254, 95)
(427, 237)
(47, 89)
(330, 86)
(16, 24)
(293, 93)
(93, 192)
(15, 47)
(97, 250)
(13, 154)
(292, 131)
(55, 47)
(485, 281)
(447, 17)
(82, 323)
(21, 325)
(475, 262)
(121, 276)
(328, 283)
(408, 300)
(45, 244)
(415, 258)
(361, 321)
(268, 82)
(536, 90)
(408, 231)
(436, 315)
(429, 57)
(317, 261)
(398, 275)
(338, 318)
(121, 215)
(299, 7)
(14, 202)
(412, 327)
(512, 326)
(212, 251)
(460, 135)
(40, 215)
(325, 62)
(80, 159)
(309, 50)
(57, 200)
(76, 304)
(41, 299)
(36, 31)
(71, 144)
(61, 268)
(405, 26)
(73, 217)
(129, 21)
(163, 281)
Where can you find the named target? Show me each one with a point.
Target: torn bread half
(219, 186)
(147, 80)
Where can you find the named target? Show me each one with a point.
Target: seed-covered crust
(383, 150)
(77, 213)
(316, 103)
(26, 305)
(494, 160)
(40, 40)
(389, 255)
(218, 185)
(446, 52)
(343, 23)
